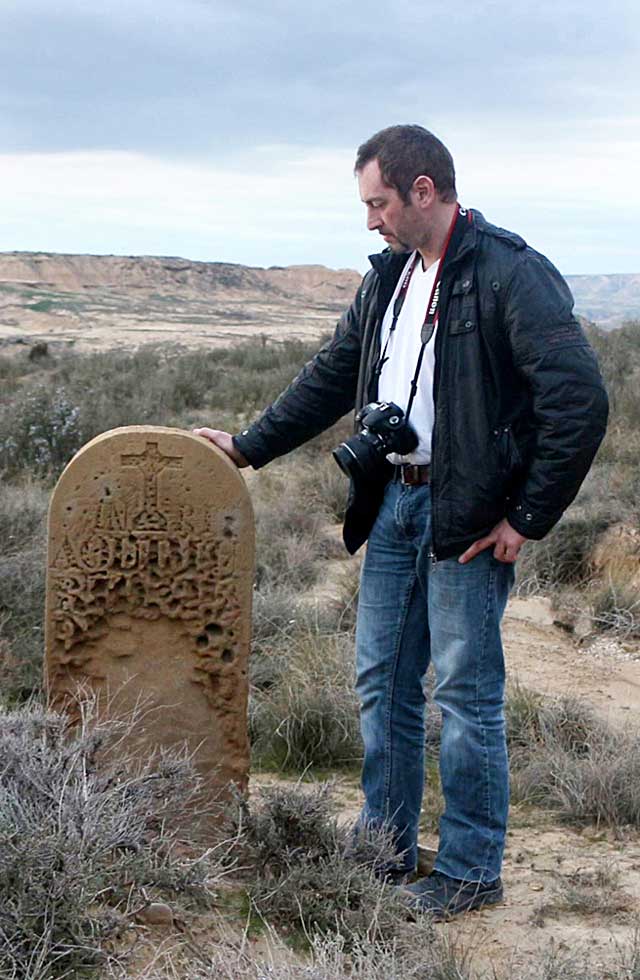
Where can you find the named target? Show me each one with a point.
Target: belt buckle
(414, 474)
(408, 474)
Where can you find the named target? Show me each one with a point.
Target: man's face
(401, 225)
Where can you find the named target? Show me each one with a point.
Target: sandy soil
(540, 655)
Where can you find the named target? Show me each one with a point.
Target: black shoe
(443, 897)
(395, 876)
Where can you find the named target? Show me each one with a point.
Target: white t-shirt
(402, 352)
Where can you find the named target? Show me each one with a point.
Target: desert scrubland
(95, 881)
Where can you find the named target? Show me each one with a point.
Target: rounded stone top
(200, 454)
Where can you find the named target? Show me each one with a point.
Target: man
(470, 332)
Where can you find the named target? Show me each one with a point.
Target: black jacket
(520, 407)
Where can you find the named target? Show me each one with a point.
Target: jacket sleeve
(323, 391)
(570, 405)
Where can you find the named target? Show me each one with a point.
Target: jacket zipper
(436, 381)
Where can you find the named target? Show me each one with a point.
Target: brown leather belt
(413, 474)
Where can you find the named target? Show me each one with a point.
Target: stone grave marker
(150, 576)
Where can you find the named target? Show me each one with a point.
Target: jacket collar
(389, 265)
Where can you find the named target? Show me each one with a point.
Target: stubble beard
(397, 246)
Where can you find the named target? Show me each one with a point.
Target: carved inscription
(147, 561)
(141, 536)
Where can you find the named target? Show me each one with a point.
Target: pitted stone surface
(151, 559)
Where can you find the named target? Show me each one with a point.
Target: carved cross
(151, 462)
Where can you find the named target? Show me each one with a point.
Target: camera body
(384, 430)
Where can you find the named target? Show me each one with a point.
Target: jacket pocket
(463, 315)
(511, 461)
(461, 325)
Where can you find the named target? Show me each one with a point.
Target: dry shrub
(306, 872)
(423, 956)
(82, 836)
(615, 607)
(563, 557)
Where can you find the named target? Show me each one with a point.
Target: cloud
(281, 204)
(226, 130)
(192, 78)
(278, 206)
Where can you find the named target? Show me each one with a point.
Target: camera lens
(344, 457)
(360, 456)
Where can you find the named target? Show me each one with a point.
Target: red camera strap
(461, 217)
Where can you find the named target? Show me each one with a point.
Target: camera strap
(460, 219)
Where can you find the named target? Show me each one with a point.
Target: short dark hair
(406, 152)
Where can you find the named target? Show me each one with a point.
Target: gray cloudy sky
(227, 131)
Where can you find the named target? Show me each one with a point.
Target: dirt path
(541, 656)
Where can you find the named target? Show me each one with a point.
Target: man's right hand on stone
(224, 441)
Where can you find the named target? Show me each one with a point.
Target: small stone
(156, 914)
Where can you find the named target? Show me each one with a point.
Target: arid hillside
(607, 300)
(97, 302)
(103, 301)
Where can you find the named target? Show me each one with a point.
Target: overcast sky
(226, 131)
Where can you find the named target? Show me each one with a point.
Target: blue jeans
(412, 611)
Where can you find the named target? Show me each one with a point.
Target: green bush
(40, 432)
(304, 870)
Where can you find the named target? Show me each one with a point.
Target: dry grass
(427, 956)
(330, 958)
(586, 893)
(306, 715)
(292, 539)
(567, 759)
(22, 587)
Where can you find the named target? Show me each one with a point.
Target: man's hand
(507, 543)
(223, 441)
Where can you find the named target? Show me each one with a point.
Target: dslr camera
(384, 430)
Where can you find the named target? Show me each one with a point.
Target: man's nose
(373, 221)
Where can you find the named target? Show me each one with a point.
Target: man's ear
(423, 190)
